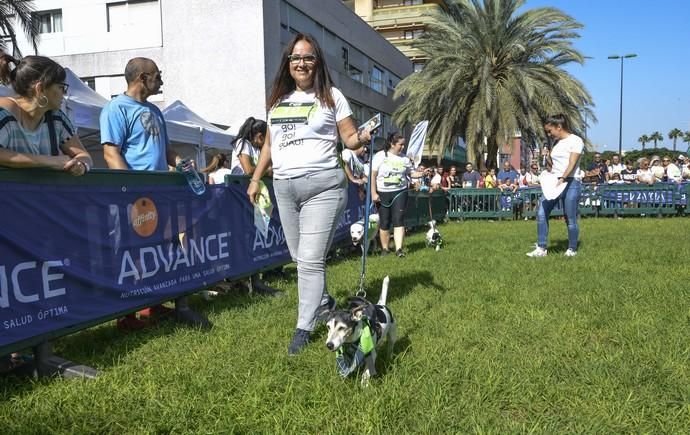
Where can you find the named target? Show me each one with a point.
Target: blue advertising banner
(660, 194)
(71, 254)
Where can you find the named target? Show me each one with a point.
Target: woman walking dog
(306, 115)
(565, 163)
(392, 170)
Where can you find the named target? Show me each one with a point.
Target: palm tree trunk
(491, 152)
(674, 144)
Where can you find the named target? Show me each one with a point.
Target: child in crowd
(481, 184)
(490, 180)
(508, 185)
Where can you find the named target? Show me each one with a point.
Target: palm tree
(686, 138)
(674, 135)
(21, 10)
(643, 140)
(493, 73)
(655, 137)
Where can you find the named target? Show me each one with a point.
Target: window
(356, 112)
(413, 34)
(49, 21)
(377, 79)
(355, 74)
(90, 82)
(418, 66)
(412, 2)
(131, 15)
(346, 59)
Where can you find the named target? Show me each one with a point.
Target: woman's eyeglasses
(64, 87)
(295, 59)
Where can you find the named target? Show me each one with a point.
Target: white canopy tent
(187, 127)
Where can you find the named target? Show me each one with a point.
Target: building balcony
(405, 16)
(405, 46)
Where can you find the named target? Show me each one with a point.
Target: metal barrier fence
(604, 199)
(480, 203)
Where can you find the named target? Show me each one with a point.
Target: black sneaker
(325, 308)
(299, 340)
(400, 253)
(385, 252)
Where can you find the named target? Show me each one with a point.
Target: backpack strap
(50, 120)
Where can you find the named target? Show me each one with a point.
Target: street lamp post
(620, 112)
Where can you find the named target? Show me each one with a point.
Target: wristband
(255, 181)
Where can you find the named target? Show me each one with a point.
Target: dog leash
(394, 198)
(361, 292)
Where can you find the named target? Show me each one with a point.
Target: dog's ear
(357, 312)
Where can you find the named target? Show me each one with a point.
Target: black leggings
(392, 208)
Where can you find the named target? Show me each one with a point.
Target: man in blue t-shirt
(508, 172)
(133, 132)
(134, 137)
(470, 178)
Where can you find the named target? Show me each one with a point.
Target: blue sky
(656, 84)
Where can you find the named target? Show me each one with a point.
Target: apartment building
(218, 56)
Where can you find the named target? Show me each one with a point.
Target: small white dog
(354, 334)
(357, 232)
(433, 236)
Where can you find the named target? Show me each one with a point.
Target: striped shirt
(14, 137)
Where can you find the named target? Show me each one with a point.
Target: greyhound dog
(355, 333)
(357, 232)
(433, 236)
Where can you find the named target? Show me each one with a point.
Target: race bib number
(288, 117)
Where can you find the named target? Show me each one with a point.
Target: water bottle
(192, 176)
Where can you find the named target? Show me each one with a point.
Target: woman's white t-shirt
(218, 176)
(393, 172)
(560, 155)
(248, 150)
(304, 133)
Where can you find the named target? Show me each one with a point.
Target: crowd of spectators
(614, 171)
(642, 171)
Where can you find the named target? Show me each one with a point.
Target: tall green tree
(643, 140)
(494, 72)
(656, 136)
(13, 12)
(686, 139)
(674, 135)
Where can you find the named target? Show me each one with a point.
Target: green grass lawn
(490, 341)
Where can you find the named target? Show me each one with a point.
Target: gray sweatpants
(310, 208)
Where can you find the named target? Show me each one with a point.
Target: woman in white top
(247, 146)
(306, 116)
(392, 170)
(218, 169)
(644, 174)
(564, 161)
